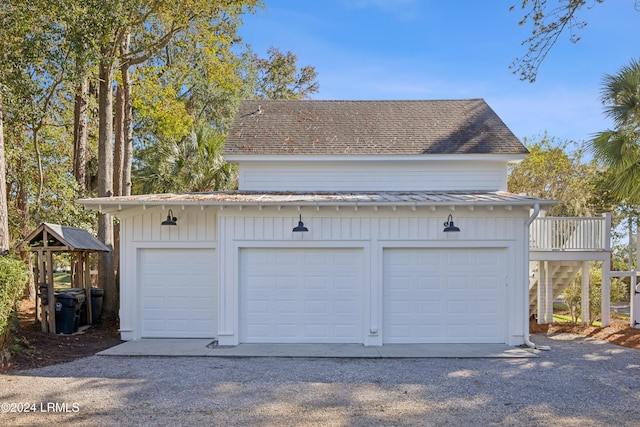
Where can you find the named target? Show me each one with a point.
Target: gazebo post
(42, 267)
(36, 278)
(52, 303)
(83, 267)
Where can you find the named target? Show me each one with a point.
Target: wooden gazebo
(43, 242)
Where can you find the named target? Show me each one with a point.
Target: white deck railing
(570, 234)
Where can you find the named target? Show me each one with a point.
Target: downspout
(527, 225)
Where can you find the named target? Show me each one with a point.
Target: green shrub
(14, 276)
(619, 291)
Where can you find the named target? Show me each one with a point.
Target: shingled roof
(467, 126)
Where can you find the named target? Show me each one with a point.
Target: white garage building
(372, 183)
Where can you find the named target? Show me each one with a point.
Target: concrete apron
(204, 347)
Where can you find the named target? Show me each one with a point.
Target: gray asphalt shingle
(468, 126)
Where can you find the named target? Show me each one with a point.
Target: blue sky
(452, 49)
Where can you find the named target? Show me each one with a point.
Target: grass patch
(61, 280)
(565, 318)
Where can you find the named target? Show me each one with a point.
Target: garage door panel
(178, 296)
(426, 307)
(316, 282)
(345, 331)
(486, 306)
(444, 295)
(312, 307)
(346, 258)
(456, 260)
(423, 258)
(285, 330)
(430, 330)
(289, 258)
(486, 282)
(457, 331)
(488, 259)
(428, 282)
(485, 329)
(343, 307)
(317, 301)
(286, 282)
(345, 283)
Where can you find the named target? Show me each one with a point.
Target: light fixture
(171, 220)
(449, 225)
(300, 226)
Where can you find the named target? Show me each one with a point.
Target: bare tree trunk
(122, 154)
(22, 199)
(105, 187)
(118, 148)
(123, 123)
(36, 149)
(127, 127)
(80, 135)
(4, 211)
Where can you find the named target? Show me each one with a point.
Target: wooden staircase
(562, 274)
(565, 244)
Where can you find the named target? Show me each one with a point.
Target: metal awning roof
(364, 198)
(70, 238)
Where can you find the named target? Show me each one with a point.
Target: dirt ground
(35, 349)
(619, 332)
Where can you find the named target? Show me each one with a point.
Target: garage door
(300, 296)
(178, 293)
(444, 296)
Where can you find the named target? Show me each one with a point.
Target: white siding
(346, 224)
(194, 225)
(372, 232)
(373, 176)
(364, 230)
(140, 230)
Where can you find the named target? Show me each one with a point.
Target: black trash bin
(81, 295)
(81, 309)
(68, 312)
(97, 296)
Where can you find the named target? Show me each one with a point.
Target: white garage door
(178, 293)
(444, 296)
(300, 296)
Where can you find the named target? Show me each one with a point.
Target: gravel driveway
(579, 382)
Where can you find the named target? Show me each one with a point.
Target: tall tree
(33, 55)
(278, 77)
(551, 171)
(193, 163)
(151, 26)
(619, 149)
(81, 134)
(173, 158)
(105, 182)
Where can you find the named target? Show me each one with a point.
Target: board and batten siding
(345, 224)
(140, 229)
(373, 176)
(371, 231)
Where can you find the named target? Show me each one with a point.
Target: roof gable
(72, 239)
(469, 126)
